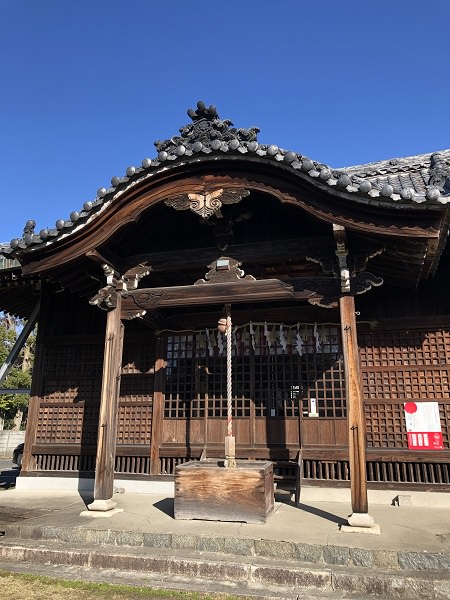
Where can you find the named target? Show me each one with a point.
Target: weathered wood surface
(416, 222)
(158, 406)
(104, 466)
(356, 419)
(278, 251)
(313, 289)
(207, 490)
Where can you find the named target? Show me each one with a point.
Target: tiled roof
(413, 180)
(419, 173)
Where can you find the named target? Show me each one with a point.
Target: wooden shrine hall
(337, 283)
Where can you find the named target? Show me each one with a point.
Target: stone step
(316, 554)
(240, 573)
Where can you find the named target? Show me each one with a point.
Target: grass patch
(22, 586)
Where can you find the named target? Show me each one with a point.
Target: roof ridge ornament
(206, 132)
(202, 112)
(28, 231)
(439, 172)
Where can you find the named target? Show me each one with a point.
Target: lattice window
(385, 426)
(444, 412)
(136, 388)
(138, 356)
(398, 366)
(135, 404)
(73, 359)
(407, 383)
(70, 394)
(60, 424)
(274, 368)
(69, 410)
(134, 424)
(71, 390)
(398, 347)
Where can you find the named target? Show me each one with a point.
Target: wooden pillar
(158, 408)
(355, 412)
(109, 403)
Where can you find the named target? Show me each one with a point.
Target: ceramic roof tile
(415, 179)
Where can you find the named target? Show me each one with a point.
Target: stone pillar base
(102, 505)
(98, 514)
(361, 523)
(101, 508)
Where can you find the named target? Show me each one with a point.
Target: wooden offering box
(208, 490)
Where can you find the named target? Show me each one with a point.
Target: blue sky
(89, 85)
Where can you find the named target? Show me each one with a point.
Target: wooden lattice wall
(400, 365)
(134, 426)
(397, 365)
(66, 432)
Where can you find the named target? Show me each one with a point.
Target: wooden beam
(105, 258)
(260, 252)
(277, 250)
(106, 440)
(210, 293)
(312, 289)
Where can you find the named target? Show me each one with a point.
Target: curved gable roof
(406, 183)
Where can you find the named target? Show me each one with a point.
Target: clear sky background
(87, 86)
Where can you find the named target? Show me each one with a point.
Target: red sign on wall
(423, 426)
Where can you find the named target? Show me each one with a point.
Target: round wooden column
(109, 400)
(355, 412)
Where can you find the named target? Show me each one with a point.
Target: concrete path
(297, 549)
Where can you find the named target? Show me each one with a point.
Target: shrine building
(337, 285)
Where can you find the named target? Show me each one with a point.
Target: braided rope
(229, 380)
(230, 456)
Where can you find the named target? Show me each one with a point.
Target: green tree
(14, 406)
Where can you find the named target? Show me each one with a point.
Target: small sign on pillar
(423, 426)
